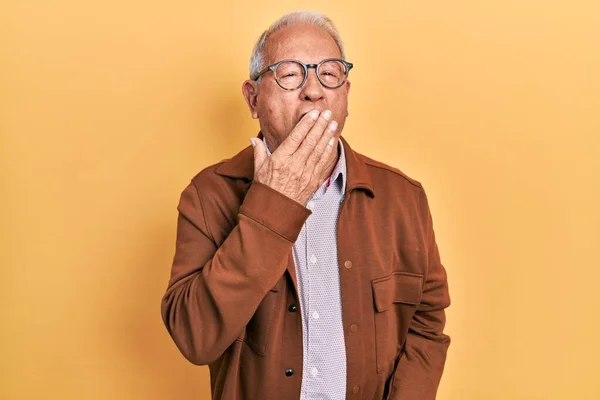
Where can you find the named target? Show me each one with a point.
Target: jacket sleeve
(214, 290)
(421, 363)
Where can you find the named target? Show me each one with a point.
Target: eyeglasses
(292, 74)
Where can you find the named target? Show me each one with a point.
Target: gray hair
(258, 58)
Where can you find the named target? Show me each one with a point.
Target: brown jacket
(233, 282)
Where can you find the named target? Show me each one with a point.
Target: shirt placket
(313, 315)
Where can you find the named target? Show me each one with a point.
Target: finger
(321, 156)
(314, 136)
(295, 138)
(328, 139)
(260, 154)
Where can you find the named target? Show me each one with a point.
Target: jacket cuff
(274, 210)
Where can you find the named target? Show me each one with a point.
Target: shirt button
(356, 389)
(292, 308)
(314, 372)
(310, 205)
(348, 264)
(353, 328)
(316, 315)
(313, 259)
(289, 372)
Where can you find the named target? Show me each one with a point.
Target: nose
(312, 90)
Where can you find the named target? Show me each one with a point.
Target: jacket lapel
(241, 166)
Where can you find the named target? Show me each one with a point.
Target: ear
(250, 92)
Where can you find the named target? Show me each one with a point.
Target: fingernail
(314, 114)
(333, 126)
(253, 142)
(326, 115)
(331, 142)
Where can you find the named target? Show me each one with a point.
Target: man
(304, 270)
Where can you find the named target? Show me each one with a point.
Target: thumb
(260, 154)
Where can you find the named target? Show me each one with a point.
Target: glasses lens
(289, 74)
(332, 73)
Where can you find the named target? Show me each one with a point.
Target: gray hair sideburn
(258, 58)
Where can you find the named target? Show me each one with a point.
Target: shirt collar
(358, 176)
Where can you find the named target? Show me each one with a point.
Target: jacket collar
(241, 166)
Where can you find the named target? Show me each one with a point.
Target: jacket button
(292, 308)
(353, 328)
(348, 264)
(289, 372)
(355, 389)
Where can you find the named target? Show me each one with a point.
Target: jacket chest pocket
(258, 331)
(395, 298)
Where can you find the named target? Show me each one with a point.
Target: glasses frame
(273, 67)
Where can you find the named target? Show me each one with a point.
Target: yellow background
(107, 109)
